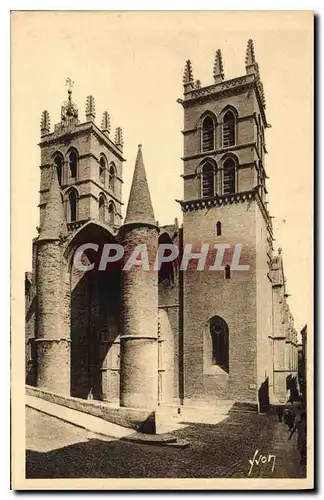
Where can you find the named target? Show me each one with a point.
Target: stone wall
(208, 293)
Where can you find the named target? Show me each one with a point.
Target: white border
(317, 6)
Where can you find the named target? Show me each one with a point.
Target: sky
(132, 63)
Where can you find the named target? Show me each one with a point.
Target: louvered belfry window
(102, 168)
(59, 168)
(208, 134)
(111, 211)
(229, 176)
(73, 206)
(73, 161)
(208, 180)
(228, 129)
(101, 208)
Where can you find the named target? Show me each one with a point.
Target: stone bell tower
(80, 180)
(88, 164)
(227, 312)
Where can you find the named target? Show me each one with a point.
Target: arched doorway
(94, 313)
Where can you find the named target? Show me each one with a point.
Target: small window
(111, 211)
(208, 180)
(101, 208)
(112, 175)
(227, 272)
(73, 162)
(228, 129)
(102, 169)
(73, 206)
(229, 176)
(59, 168)
(218, 228)
(208, 134)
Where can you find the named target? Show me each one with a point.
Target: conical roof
(54, 224)
(139, 208)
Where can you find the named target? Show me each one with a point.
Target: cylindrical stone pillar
(52, 340)
(139, 343)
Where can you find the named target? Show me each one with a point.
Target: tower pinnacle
(249, 55)
(252, 67)
(139, 208)
(119, 139)
(45, 125)
(218, 67)
(105, 123)
(90, 109)
(188, 78)
(54, 225)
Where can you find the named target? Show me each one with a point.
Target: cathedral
(171, 336)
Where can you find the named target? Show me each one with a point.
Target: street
(241, 446)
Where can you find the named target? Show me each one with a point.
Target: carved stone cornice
(224, 89)
(219, 123)
(68, 134)
(218, 88)
(225, 199)
(72, 226)
(218, 151)
(216, 201)
(250, 164)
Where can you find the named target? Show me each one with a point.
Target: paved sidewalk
(78, 418)
(286, 452)
(56, 449)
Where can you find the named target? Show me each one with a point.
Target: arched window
(208, 134)
(220, 342)
(208, 180)
(59, 168)
(229, 176)
(101, 208)
(73, 201)
(227, 272)
(228, 129)
(102, 169)
(111, 212)
(73, 163)
(112, 175)
(218, 228)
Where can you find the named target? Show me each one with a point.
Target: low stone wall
(139, 419)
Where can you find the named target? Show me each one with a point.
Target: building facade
(180, 334)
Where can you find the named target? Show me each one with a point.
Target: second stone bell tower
(227, 313)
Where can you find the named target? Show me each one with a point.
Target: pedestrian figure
(280, 413)
(300, 426)
(289, 418)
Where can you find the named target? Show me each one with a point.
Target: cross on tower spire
(69, 84)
